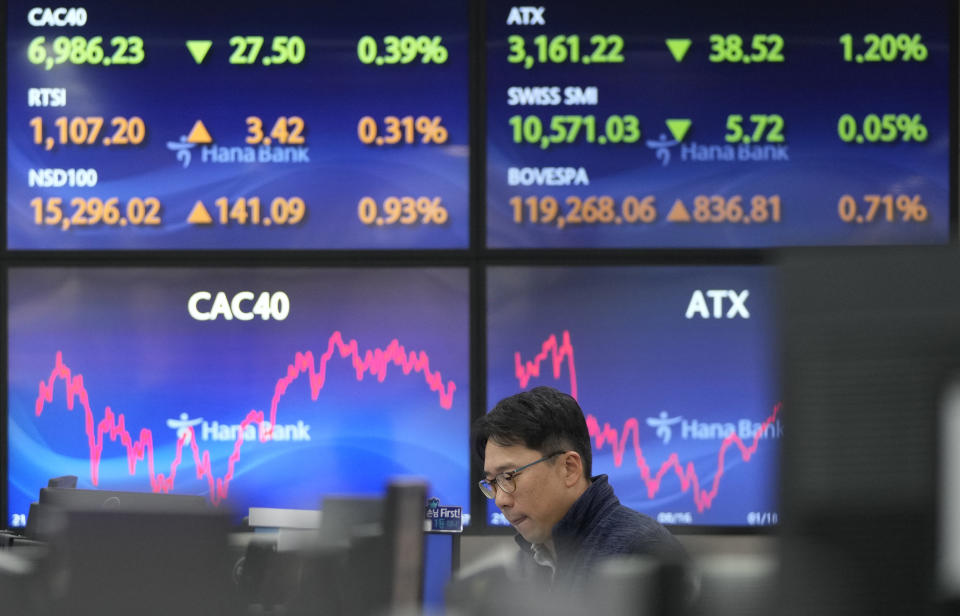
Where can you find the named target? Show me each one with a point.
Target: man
(536, 457)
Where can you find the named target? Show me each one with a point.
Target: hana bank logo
(216, 431)
(692, 429)
(662, 148)
(664, 425)
(182, 149)
(183, 425)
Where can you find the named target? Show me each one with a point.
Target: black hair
(543, 419)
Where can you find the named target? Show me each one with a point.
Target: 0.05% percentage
(402, 50)
(885, 128)
(402, 131)
(402, 210)
(876, 208)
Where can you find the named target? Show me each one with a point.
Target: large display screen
(675, 367)
(262, 387)
(199, 125)
(715, 124)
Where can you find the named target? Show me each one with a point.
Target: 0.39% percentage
(402, 50)
(401, 131)
(402, 210)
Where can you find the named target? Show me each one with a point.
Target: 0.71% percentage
(401, 131)
(402, 210)
(889, 208)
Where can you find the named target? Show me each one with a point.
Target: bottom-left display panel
(253, 387)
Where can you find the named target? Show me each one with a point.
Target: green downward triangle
(679, 47)
(678, 127)
(199, 49)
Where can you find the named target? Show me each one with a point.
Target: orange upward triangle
(199, 215)
(678, 213)
(199, 134)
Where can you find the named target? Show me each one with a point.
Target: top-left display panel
(195, 125)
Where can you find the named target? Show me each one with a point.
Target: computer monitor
(364, 555)
(385, 566)
(68, 498)
(870, 340)
(113, 563)
(46, 514)
(253, 387)
(341, 514)
(675, 368)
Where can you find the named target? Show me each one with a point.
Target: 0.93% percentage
(885, 128)
(402, 210)
(401, 131)
(876, 208)
(402, 50)
(885, 48)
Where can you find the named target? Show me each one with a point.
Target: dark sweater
(597, 526)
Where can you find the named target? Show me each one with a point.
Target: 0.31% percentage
(405, 130)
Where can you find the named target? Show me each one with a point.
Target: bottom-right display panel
(675, 368)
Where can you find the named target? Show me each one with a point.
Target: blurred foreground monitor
(159, 563)
(870, 341)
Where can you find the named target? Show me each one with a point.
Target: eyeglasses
(506, 480)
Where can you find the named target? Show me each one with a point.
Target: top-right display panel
(716, 125)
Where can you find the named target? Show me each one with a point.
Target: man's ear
(572, 468)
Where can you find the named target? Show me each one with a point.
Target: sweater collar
(569, 531)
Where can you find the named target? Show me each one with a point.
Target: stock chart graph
(674, 369)
(187, 382)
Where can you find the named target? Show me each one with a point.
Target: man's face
(539, 501)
